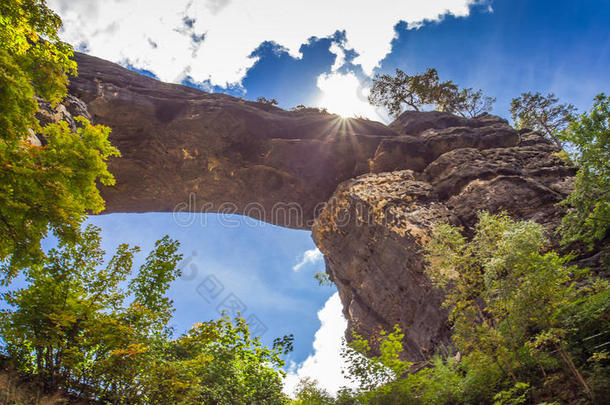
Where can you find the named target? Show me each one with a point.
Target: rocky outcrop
(374, 190)
(215, 152)
(374, 227)
(371, 234)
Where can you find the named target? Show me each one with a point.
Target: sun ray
(343, 94)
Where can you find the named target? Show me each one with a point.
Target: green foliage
(74, 327)
(482, 377)
(159, 271)
(513, 301)
(33, 61)
(493, 282)
(307, 392)
(392, 92)
(51, 186)
(305, 109)
(220, 363)
(588, 217)
(417, 91)
(54, 185)
(529, 327)
(323, 279)
(471, 103)
(543, 114)
(268, 101)
(516, 395)
(372, 371)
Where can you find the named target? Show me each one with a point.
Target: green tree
(54, 329)
(268, 101)
(396, 92)
(308, 392)
(369, 371)
(217, 362)
(528, 327)
(588, 216)
(54, 185)
(507, 294)
(517, 395)
(543, 114)
(74, 327)
(402, 90)
(470, 103)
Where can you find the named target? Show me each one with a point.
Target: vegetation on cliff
(75, 327)
(543, 114)
(417, 91)
(588, 216)
(528, 326)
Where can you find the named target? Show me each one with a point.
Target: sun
(343, 94)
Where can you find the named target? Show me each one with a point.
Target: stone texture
(432, 136)
(215, 152)
(371, 234)
(374, 227)
(376, 190)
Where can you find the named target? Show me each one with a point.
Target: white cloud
(326, 363)
(343, 94)
(311, 256)
(161, 36)
(339, 51)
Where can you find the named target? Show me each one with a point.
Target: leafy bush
(75, 329)
(588, 217)
(528, 327)
(41, 186)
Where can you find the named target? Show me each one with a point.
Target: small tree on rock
(414, 92)
(470, 103)
(588, 217)
(543, 114)
(268, 101)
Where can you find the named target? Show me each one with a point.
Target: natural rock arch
(374, 190)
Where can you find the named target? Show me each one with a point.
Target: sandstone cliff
(374, 190)
(219, 152)
(373, 228)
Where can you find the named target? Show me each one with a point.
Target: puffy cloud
(338, 50)
(214, 39)
(343, 94)
(326, 363)
(311, 256)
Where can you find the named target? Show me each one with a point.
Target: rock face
(374, 190)
(374, 227)
(215, 152)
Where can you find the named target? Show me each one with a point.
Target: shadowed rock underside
(373, 190)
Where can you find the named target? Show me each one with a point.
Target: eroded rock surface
(215, 152)
(385, 185)
(374, 227)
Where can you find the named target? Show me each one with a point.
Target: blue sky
(319, 53)
(228, 258)
(522, 45)
(513, 47)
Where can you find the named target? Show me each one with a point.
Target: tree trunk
(566, 358)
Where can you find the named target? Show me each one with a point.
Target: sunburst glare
(344, 95)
